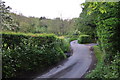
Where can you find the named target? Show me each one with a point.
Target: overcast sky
(66, 9)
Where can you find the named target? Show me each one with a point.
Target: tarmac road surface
(75, 66)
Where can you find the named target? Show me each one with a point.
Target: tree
(7, 22)
(86, 23)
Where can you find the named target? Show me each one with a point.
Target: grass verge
(100, 57)
(104, 70)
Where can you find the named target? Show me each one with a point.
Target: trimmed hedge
(72, 37)
(29, 52)
(66, 44)
(84, 39)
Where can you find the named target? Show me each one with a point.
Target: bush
(108, 36)
(84, 39)
(72, 37)
(66, 45)
(29, 52)
(102, 70)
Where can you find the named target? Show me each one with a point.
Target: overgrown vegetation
(30, 52)
(26, 52)
(103, 18)
(102, 70)
(43, 25)
(20, 23)
(84, 39)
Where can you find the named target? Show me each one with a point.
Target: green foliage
(27, 24)
(84, 39)
(86, 23)
(36, 25)
(7, 23)
(66, 45)
(102, 70)
(99, 54)
(104, 16)
(29, 52)
(72, 39)
(73, 36)
(107, 32)
(107, 28)
(19, 23)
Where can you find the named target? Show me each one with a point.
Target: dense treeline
(44, 25)
(101, 20)
(20, 23)
(86, 23)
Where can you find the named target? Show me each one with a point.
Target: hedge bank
(29, 52)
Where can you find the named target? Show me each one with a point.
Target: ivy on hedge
(29, 52)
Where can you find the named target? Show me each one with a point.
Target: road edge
(92, 65)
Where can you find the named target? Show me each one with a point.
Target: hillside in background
(42, 25)
(24, 36)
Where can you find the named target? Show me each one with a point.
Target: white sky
(66, 9)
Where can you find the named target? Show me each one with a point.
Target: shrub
(84, 39)
(29, 52)
(103, 71)
(108, 36)
(72, 37)
(66, 45)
